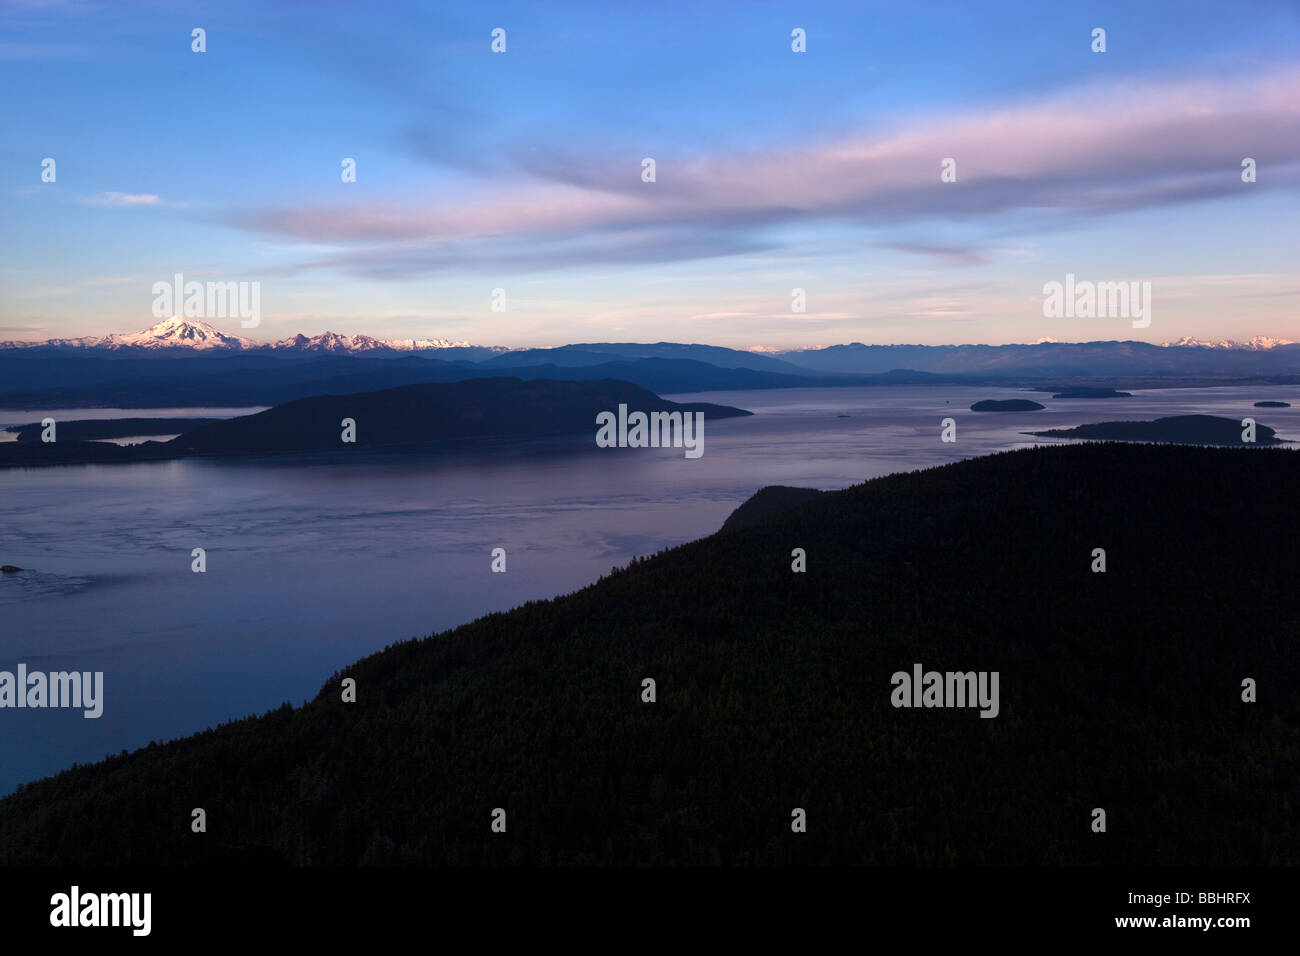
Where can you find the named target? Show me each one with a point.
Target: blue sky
(775, 170)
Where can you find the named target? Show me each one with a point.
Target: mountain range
(179, 333)
(185, 363)
(1255, 343)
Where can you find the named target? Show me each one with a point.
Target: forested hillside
(1119, 690)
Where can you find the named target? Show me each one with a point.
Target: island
(412, 418)
(1177, 429)
(1272, 404)
(1007, 405)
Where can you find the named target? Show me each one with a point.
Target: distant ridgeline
(1068, 655)
(152, 370)
(411, 416)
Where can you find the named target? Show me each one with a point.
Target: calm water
(311, 566)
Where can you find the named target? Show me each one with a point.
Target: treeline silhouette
(1119, 690)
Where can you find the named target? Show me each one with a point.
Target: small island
(1007, 405)
(1272, 404)
(1087, 391)
(1177, 429)
(9, 569)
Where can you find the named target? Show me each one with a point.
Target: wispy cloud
(117, 200)
(1101, 149)
(943, 254)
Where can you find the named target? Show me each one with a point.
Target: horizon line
(101, 341)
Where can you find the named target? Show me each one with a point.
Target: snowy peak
(360, 344)
(1255, 344)
(417, 345)
(178, 333)
(332, 342)
(172, 333)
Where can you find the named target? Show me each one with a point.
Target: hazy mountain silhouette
(1053, 359)
(131, 377)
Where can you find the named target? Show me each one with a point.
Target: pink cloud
(1102, 148)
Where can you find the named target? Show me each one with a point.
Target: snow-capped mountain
(360, 344)
(173, 333)
(194, 335)
(418, 345)
(1256, 344)
(332, 342)
(178, 333)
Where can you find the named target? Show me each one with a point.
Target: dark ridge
(766, 502)
(1120, 690)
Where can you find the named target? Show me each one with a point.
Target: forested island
(407, 418)
(1121, 690)
(1007, 405)
(1181, 429)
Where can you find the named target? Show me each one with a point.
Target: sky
(774, 170)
